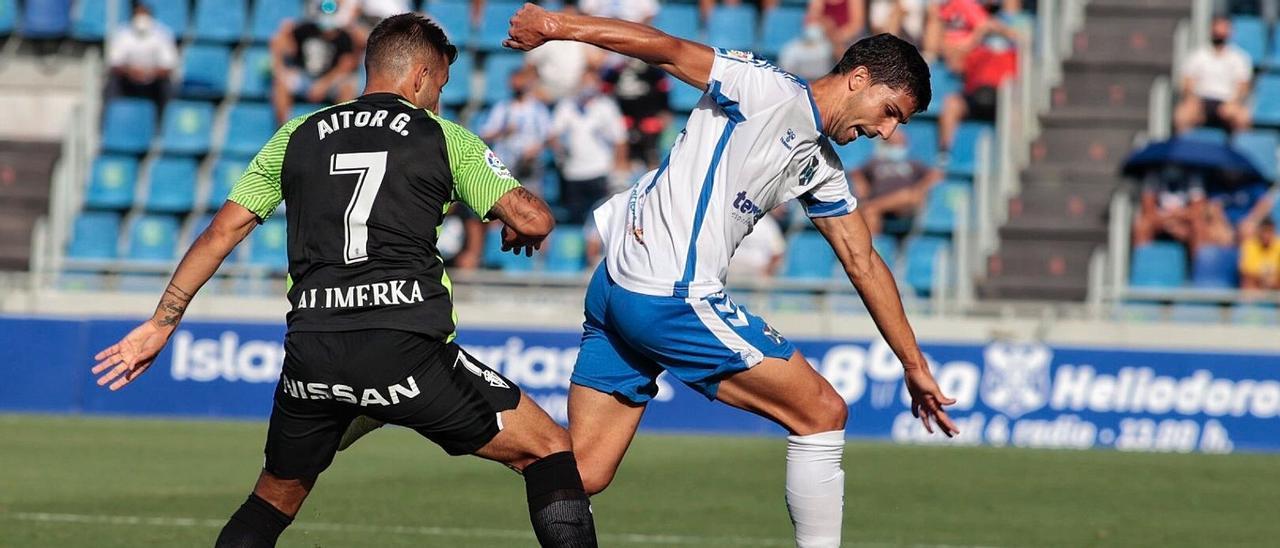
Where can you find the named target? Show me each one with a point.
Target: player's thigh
(527, 434)
(304, 429)
(789, 392)
(602, 426)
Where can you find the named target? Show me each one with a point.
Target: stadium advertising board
(1022, 395)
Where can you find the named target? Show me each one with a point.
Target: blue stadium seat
(566, 252)
(494, 257)
(964, 149)
(255, 80)
(1250, 34)
(1158, 265)
(8, 16)
(269, 245)
(94, 235)
(204, 71)
(80, 281)
(175, 14)
(219, 20)
(683, 97)
(922, 252)
(1214, 267)
(305, 108)
(128, 125)
(497, 74)
(887, 247)
(454, 16)
(153, 238)
(942, 82)
(856, 153)
(1195, 313)
(267, 16)
(173, 185)
(732, 27)
(112, 182)
(494, 23)
(89, 19)
(225, 174)
(1206, 135)
(941, 207)
(781, 25)
(680, 20)
(1266, 93)
(187, 127)
(46, 19)
(458, 90)
(922, 141)
(249, 126)
(809, 257)
(1255, 314)
(1260, 146)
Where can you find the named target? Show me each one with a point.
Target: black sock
(256, 524)
(558, 505)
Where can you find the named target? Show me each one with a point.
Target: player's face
(875, 110)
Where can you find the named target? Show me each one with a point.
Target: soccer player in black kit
(371, 327)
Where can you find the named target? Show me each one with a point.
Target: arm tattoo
(524, 204)
(172, 305)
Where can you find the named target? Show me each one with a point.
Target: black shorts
(397, 377)
(1212, 116)
(981, 104)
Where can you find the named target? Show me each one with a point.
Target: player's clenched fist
(531, 27)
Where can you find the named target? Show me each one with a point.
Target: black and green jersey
(366, 184)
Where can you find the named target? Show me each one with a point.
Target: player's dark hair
(399, 38)
(891, 61)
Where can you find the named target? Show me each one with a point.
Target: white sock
(815, 488)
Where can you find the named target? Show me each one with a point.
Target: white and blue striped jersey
(754, 141)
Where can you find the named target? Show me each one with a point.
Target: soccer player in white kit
(758, 138)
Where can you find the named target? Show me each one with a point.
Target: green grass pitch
(115, 482)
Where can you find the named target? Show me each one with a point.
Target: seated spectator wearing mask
(902, 18)
(313, 59)
(991, 58)
(590, 141)
(517, 128)
(643, 94)
(808, 56)
(891, 184)
(142, 55)
(843, 21)
(1215, 84)
(1170, 205)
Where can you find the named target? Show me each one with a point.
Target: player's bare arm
(526, 218)
(121, 363)
(851, 240)
(689, 61)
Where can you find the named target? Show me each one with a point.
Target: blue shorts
(629, 338)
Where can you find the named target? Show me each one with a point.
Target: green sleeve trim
(258, 189)
(479, 176)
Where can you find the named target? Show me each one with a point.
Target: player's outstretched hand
(518, 243)
(529, 28)
(124, 361)
(927, 401)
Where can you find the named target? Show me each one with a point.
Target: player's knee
(830, 413)
(595, 479)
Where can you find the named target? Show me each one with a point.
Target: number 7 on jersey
(371, 167)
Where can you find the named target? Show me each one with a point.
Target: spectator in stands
(141, 55)
(891, 184)
(461, 241)
(636, 11)
(561, 64)
(367, 13)
(642, 92)
(1215, 84)
(991, 58)
(314, 59)
(590, 141)
(1260, 259)
(517, 129)
(760, 254)
(842, 20)
(956, 27)
(1171, 201)
(809, 55)
(902, 18)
